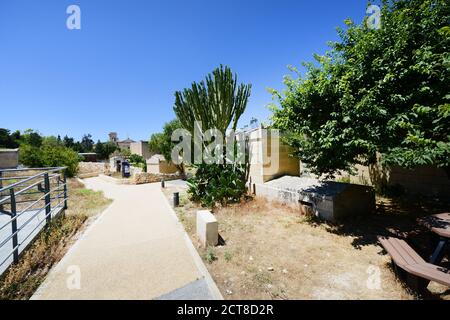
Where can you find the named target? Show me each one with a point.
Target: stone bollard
(207, 228)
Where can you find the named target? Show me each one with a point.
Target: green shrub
(49, 156)
(61, 157)
(213, 184)
(30, 156)
(138, 161)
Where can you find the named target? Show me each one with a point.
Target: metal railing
(29, 199)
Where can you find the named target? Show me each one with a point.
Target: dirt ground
(270, 251)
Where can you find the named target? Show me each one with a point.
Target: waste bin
(125, 169)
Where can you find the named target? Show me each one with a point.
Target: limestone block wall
(9, 158)
(162, 167)
(425, 180)
(270, 158)
(92, 169)
(141, 148)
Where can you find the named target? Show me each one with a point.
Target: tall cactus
(217, 102)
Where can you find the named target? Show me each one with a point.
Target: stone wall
(425, 180)
(9, 158)
(267, 163)
(92, 169)
(141, 148)
(141, 178)
(161, 168)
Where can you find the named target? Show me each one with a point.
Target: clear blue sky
(120, 71)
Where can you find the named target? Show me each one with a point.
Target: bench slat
(430, 272)
(400, 251)
(393, 252)
(409, 253)
(406, 258)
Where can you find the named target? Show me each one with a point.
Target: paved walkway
(135, 250)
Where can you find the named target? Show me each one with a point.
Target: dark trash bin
(125, 169)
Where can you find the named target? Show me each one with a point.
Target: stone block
(207, 228)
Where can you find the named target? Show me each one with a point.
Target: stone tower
(113, 137)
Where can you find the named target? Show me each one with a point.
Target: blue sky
(120, 71)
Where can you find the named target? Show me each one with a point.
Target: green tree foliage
(32, 138)
(138, 161)
(68, 142)
(161, 143)
(49, 156)
(9, 140)
(377, 91)
(104, 149)
(156, 142)
(87, 144)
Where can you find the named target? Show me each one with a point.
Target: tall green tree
(380, 90)
(9, 140)
(87, 144)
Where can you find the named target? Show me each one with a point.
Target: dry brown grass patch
(270, 251)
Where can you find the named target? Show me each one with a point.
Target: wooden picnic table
(440, 225)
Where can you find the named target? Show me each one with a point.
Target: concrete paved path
(136, 249)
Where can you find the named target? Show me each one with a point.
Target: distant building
(113, 137)
(136, 147)
(125, 144)
(141, 148)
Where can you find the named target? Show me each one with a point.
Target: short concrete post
(207, 228)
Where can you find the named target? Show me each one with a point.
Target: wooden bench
(415, 270)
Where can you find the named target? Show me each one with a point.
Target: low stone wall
(425, 180)
(9, 158)
(145, 177)
(92, 169)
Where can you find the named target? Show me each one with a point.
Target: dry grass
(269, 251)
(21, 281)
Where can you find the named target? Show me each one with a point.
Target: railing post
(48, 208)
(1, 186)
(65, 190)
(14, 226)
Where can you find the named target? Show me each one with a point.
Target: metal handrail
(18, 183)
(21, 192)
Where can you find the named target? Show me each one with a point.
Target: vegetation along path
(135, 250)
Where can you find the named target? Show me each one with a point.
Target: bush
(213, 184)
(61, 157)
(49, 156)
(30, 156)
(138, 161)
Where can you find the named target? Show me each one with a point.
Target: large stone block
(207, 228)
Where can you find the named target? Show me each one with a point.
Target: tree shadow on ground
(395, 217)
(392, 217)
